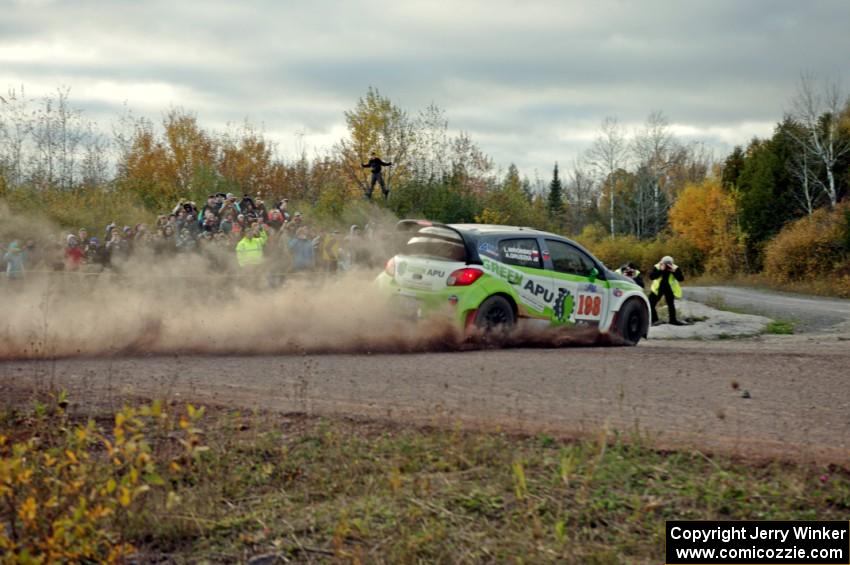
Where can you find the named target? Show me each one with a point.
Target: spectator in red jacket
(74, 254)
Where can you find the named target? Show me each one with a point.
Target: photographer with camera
(630, 270)
(665, 277)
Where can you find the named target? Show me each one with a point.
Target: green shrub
(45, 210)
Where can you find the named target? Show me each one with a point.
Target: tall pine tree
(556, 196)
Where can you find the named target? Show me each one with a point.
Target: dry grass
(311, 489)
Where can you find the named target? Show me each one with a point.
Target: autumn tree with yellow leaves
(706, 215)
(376, 125)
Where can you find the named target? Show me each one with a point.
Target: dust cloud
(159, 314)
(177, 307)
(180, 305)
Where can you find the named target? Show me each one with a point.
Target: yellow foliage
(817, 246)
(593, 233)
(621, 249)
(489, 216)
(28, 511)
(69, 490)
(705, 214)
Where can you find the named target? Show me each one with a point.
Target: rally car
(491, 277)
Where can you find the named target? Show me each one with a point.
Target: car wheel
(495, 313)
(631, 322)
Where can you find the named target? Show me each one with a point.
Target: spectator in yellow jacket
(249, 250)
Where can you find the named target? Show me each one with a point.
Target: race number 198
(589, 306)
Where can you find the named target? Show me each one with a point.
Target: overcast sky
(529, 80)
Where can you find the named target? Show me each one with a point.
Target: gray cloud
(529, 80)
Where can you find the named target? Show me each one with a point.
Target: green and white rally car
(491, 276)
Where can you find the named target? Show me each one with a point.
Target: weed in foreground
(71, 491)
(310, 489)
(780, 327)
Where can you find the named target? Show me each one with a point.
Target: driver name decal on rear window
(521, 252)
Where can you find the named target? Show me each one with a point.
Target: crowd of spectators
(233, 236)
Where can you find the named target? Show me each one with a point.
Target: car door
(534, 284)
(582, 296)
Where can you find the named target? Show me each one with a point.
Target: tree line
(643, 184)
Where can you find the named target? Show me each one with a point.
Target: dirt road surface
(812, 313)
(674, 394)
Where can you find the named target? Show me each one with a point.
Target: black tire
(631, 322)
(495, 315)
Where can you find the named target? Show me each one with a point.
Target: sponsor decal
(539, 291)
(563, 305)
(436, 273)
(618, 293)
(401, 268)
(503, 272)
(486, 248)
(591, 288)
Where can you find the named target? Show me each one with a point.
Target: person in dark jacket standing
(375, 163)
(665, 277)
(631, 271)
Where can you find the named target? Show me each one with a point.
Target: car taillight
(464, 277)
(389, 268)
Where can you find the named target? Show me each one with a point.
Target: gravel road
(673, 393)
(812, 313)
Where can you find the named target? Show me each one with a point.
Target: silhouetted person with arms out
(375, 163)
(665, 277)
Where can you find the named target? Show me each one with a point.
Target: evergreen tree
(556, 195)
(732, 168)
(766, 192)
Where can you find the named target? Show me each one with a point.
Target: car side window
(567, 259)
(521, 252)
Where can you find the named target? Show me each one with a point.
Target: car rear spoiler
(410, 225)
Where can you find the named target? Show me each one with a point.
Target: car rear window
(436, 243)
(521, 252)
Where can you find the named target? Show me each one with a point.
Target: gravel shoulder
(710, 323)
